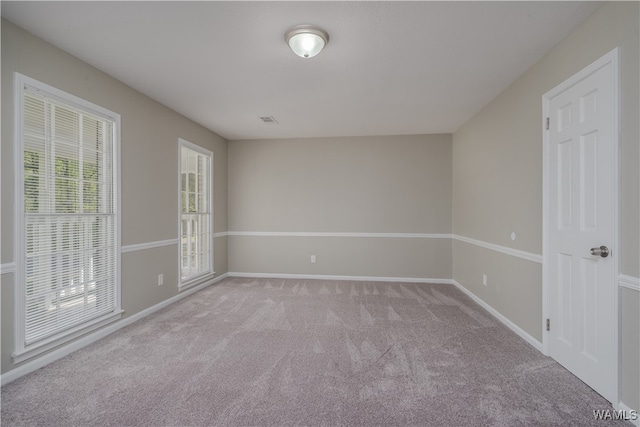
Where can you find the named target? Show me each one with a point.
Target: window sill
(57, 340)
(196, 281)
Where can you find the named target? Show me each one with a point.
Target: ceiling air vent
(268, 119)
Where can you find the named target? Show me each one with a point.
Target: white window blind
(196, 228)
(69, 258)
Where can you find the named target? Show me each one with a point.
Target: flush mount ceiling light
(306, 41)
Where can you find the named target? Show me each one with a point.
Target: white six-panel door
(581, 147)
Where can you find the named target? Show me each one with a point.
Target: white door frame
(612, 57)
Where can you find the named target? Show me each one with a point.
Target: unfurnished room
(367, 213)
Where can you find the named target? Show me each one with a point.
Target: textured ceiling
(389, 68)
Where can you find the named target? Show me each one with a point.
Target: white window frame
(195, 280)
(22, 351)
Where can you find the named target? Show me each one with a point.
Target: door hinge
(548, 325)
(547, 123)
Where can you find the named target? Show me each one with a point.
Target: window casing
(196, 214)
(67, 221)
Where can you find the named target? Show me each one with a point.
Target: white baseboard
(628, 411)
(95, 336)
(508, 323)
(335, 277)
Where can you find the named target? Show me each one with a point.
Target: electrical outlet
(160, 279)
(313, 259)
(484, 279)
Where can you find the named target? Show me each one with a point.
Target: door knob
(602, 251)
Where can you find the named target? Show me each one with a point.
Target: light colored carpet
(307, 352)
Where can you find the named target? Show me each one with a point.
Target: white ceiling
(389, 68)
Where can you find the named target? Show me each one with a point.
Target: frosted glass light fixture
(306, 41)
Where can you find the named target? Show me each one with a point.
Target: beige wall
(381, 184)
(630, 347)
(149, 174)
(384, 184)
(385, 257)
(497, 180)
(517, 299)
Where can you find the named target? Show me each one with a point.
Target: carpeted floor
(307, 352)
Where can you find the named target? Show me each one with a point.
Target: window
(196, 219)
(67, 217)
